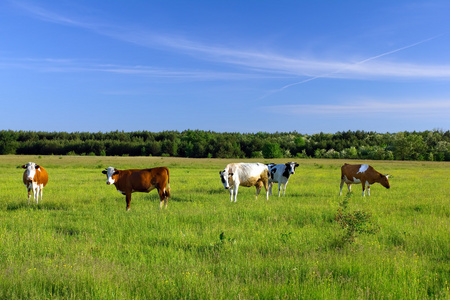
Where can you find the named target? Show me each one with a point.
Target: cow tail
(167, 191)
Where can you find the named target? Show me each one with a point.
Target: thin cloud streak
(48, 16)
(441, 107)
(48, 65)
(352, 67)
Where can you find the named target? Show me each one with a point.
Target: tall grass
(80, 243)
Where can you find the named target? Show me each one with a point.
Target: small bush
(353, 223)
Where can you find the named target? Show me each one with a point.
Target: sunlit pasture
(79, 242)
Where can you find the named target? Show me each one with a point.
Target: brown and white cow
(35, 178)
(140, 180)
(245, 174)
(364, 174)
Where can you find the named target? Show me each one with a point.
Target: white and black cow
(245, 174)
(280, 174)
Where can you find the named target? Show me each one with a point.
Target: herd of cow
(35, 178)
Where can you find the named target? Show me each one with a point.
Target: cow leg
(29, 194)
(266, 185)
(258, 190)
(236, 192)
(162, 198)
(279, 188)
(342, 184)
(166, 197)
(128, 199)
(270, 188)
(284, 189)
(38, 191)
(363, 188)
(42, 191)
(368, 190)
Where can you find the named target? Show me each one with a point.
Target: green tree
(8, 142)
(272, 150)
(409, 146)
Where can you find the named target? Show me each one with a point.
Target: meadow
(79, 242)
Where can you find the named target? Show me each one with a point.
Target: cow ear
(37, 166)
(116, 172)
(104, 172)
(296, 165)
(24, 167)
(387, 175)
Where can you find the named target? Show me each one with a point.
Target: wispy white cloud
(251, 61)
(47, 15)
(50, 65)
(366, 108)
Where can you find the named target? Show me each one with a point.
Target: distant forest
(427, 145)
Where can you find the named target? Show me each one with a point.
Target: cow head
(384, 181)
(291, 167)
(224, 176)
(31, 170)
(111, 174)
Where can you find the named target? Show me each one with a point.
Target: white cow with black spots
(280, 174)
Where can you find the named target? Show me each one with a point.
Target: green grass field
(80, 243)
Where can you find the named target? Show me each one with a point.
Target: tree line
(427, 145)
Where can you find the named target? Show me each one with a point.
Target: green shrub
(353, 223)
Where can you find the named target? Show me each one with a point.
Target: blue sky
(225, 66)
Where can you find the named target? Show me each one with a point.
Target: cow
(280, 174)
(140, 180)
(364, 174)
(35, 178)
(245, 174)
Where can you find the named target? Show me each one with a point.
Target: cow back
(363, 173)
(353, 171)
(252, 174)
(142, 180)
